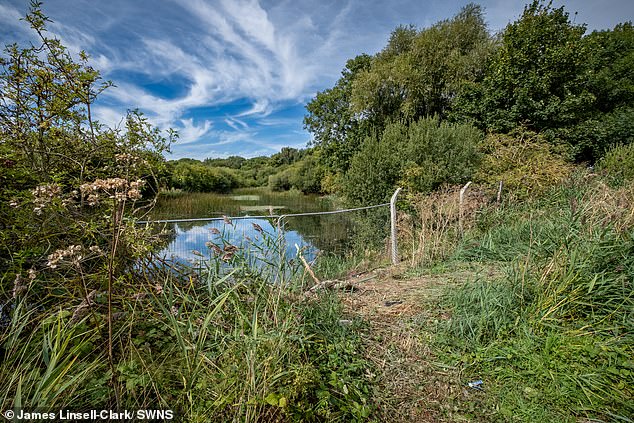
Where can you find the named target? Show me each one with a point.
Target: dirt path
(411, 386)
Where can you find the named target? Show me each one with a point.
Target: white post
(460, 209)
(393, 226)
(499, 193)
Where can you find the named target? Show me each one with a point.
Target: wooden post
(393, 226)
(460, 209)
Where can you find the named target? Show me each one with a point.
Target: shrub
(618, 164)
(419, 157)
(525, 163)
(281, 181)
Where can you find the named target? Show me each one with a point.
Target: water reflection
(331, 234)
(193, 242)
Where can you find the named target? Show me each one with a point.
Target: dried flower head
(19, 286)
(214, 247)
(44, 195)
(72, 254)
(115, 188)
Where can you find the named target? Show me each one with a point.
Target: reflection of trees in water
(339, 233)
(333, 233)
(329, 233)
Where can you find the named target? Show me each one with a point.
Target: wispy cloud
(232, 75)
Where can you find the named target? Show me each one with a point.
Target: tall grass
(552, 335)
(235, 345)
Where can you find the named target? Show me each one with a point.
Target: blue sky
(233, 76)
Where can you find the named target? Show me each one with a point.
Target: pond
(255, 236)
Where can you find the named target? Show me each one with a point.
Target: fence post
(393, 226)
(499, 193)
(460, 209)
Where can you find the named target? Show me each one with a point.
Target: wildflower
(71, 254)
(95, 249)
(134, 194)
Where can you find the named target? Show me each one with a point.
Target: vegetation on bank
(548, 326)
(541, 79)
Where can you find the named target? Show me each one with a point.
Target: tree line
(454, 102)
(291, 168)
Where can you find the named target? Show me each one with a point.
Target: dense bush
(419, 157)
(196, 177)
(618, 164)
(281, 181)
(524, 162)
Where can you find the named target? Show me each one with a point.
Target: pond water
(256, 237)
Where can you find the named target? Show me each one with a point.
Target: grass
(230, 347)
(535, 300)
(552, 334)
(182, 205)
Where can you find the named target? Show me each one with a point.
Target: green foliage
(418, 73)
(618, 164)
(593, 137)
(525, 163)
(70, 180)
(309, 175)
(611, 60)
(421, 157)
(336, 129)
(238, 347)
(536, 76)
(551, 335)
(196, 177)
(290, 168)
(281, 181)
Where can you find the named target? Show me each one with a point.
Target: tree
(335, 128)
(419, 73)
(537, 77)
(58, 162)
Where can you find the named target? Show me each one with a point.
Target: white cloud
(190, 132)
(11, 16)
